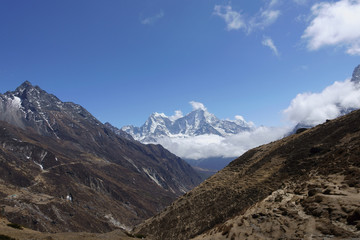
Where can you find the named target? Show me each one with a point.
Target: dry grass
(9, 233)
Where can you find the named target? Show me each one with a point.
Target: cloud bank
(335, 24)
(206, 146)
(315, 108)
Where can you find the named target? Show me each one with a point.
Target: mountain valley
(61, 168)
(65, 175)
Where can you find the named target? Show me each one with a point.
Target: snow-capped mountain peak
(198, 122)
(30, 106)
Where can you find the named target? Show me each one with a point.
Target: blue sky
(123, 60)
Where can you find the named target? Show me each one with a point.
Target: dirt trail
(319, 209)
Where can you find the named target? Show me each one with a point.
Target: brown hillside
(332, 148)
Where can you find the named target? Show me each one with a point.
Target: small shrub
(15, 225)
(300, 130)
(226, 229)
(315, 150)
(4, 237)
(354, 218)
(139, 236)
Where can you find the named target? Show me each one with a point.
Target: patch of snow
(116, 223)
(182, 189)
(172, 190)
(132, 162)
(69, 198)
(16, 102)
(47, 122)
(153, 127)
(210, 118)
(152, 176)
(41, 166)
(43, 155)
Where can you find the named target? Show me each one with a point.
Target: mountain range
(198, 122)
(61, 169)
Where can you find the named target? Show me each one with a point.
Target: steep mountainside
(323, 207)
(305, 184)
(63, 170)
(197, 122)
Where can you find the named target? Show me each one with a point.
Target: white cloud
(268, 42)
(206, 146)
(335, 24)
(178, 114)
(315, 108)
(269, 16)
(234, 20)
(197, 105)
(151, 20)
(239, 118)
(264, 18)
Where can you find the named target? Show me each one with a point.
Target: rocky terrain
(305, 186)
(63, 170)
(322, 207)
